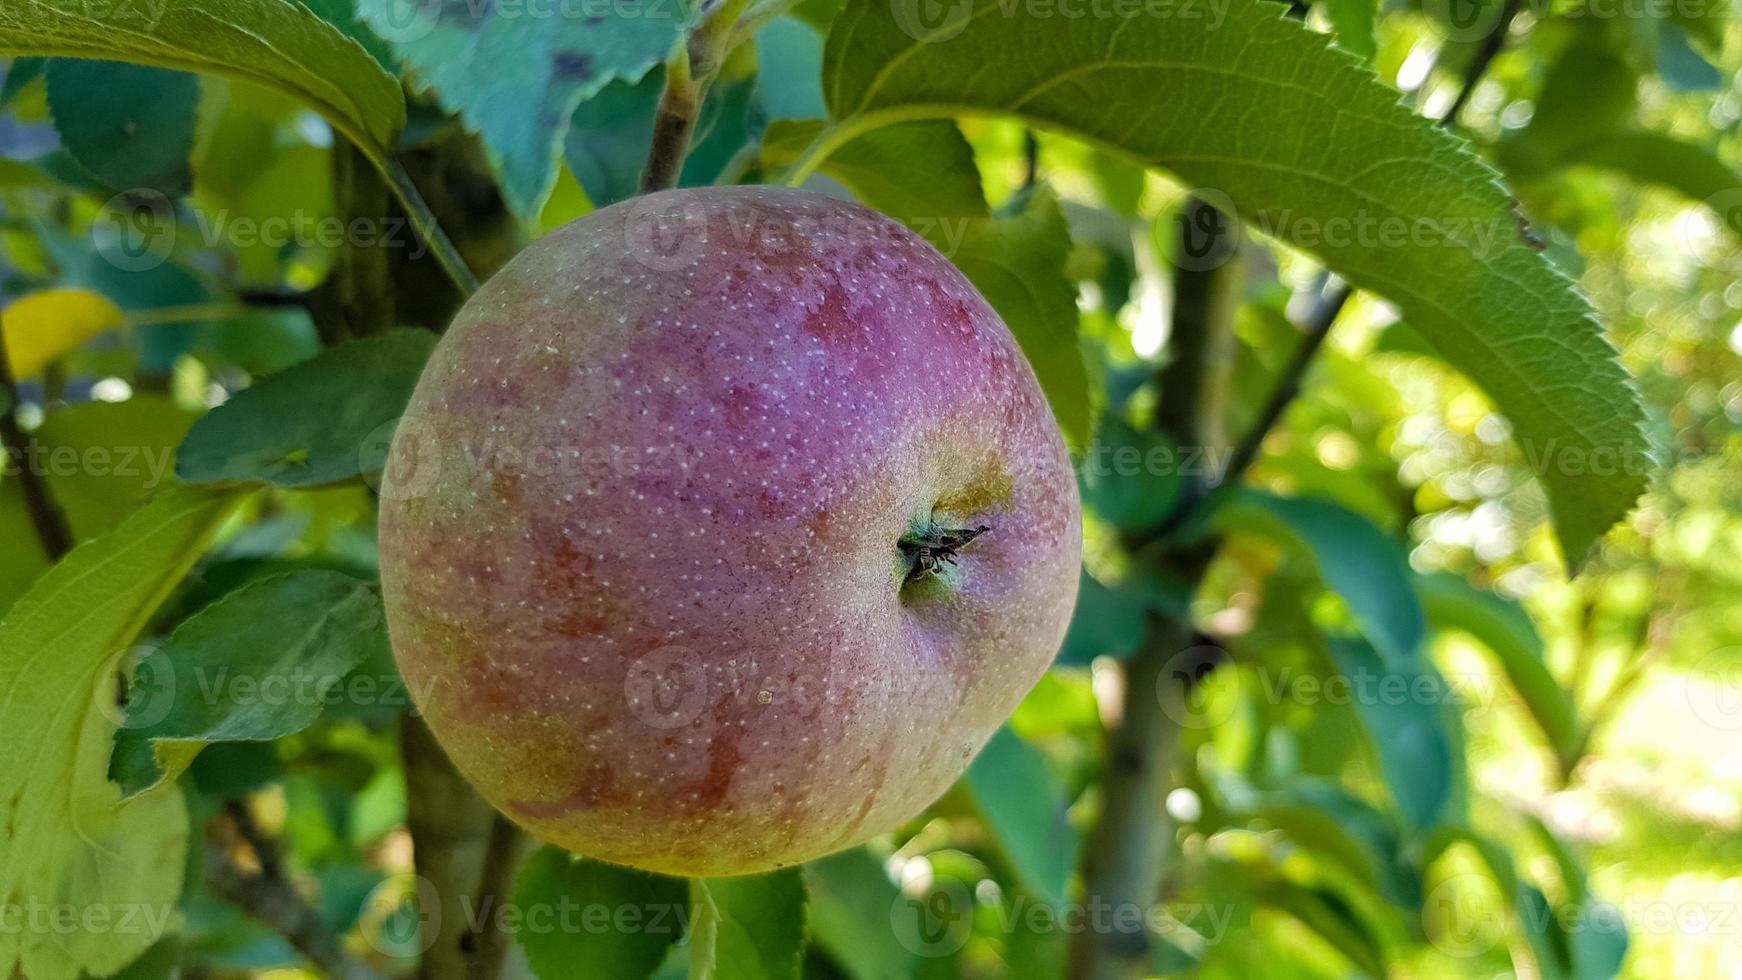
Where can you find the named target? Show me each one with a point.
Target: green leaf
(747, 928)
(1358, 561)
(1589, 93)
(1324, 818)
(1017, 261)
(921, 174)
(1130, 476)
(1024, 805)
(1597, 937)
(130, 125)
(1692, 171)
(789, 68)
(65, 837)
(276, 43)
(852, 904)
(260, 664)
(1507, 631)
(20, 73)
(1353, 23)
(611, 132)
(1107, 622)
(1335, 147)
(516, 74)
(625, 922)
(319, 423)
(1399, 706)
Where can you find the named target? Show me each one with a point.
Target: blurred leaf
(623, 947)
(1024, 805)
(310, 425)
(1353, 21)
(257, 665)
(21, 72)
(921, 174)
(1493, 306)
(101, 460)
(1325, 913)
(1694, 172)
(257, 341)
(1361, 563)
(130, 125)
(1507, 631)
(42, 327)
(276, 43)
(750, 928)
(1323, 818)
(1588, 94)
(1131, 478)
(1399, 706)
(1680, 66)
(1106, 622)
(852, 903)
(789, 70)
(1017, 261)
(1595, 931)
(516, 76)
(68, 838)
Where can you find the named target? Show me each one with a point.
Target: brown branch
(466, 852)
(688, 74)
(270, 898)
(1128, 848)
(46, 516)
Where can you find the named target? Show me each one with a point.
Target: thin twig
(270, 898)
(1288, 384)
(424, 221)
(46, 516)
(1484, 56)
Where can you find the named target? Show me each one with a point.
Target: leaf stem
(46, 516)
(424, 220)
(688, 74)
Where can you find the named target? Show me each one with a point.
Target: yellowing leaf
(65, 840)
(44, 326)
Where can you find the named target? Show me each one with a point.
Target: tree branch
(270, 898)
(468, 854)
(1123, 862)
(688, 74)
(50, 522)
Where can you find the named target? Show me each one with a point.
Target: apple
(724, 527)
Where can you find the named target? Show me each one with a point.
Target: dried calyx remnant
(925, 552)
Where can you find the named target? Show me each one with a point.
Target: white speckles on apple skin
(646, 589)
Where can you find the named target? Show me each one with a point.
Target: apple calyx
(926, 552)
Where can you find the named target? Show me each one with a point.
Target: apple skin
(641, 525)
